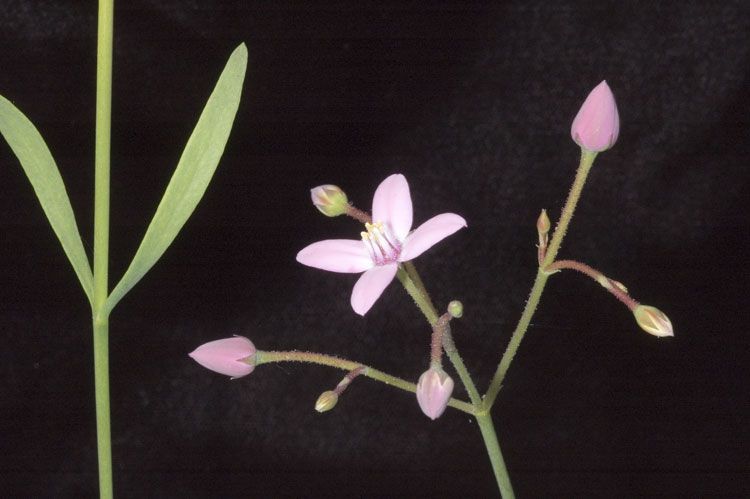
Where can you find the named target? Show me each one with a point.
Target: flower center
(382, 246)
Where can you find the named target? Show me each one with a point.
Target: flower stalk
(348, 365)
(584, 167)
(614, 287)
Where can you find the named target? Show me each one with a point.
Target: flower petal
(370, 286)
(391, 204)
(429, 233)
(336, 255)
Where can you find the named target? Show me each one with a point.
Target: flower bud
(234, 357)
(455, 309)
(597, 124)
(543, 223)
(653, 321)
(330, 200)
(326, 401)
(434, 391)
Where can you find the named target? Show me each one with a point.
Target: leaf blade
(40, 168)
(192, 175)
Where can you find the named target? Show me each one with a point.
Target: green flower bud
(330, 200)
(326, 401)
(456, 309)
(653, 321)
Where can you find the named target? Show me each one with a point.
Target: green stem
(101, 244)
(420, 299)
(101, 393)
(348, 365)
(409, 278)
(496, 457)
(587, 160)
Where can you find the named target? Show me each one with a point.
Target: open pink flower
(386, 242)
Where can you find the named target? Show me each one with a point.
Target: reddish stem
(438, 332)
(358, 214)
(607, 283)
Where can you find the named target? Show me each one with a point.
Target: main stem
(496, 457)
(101, 245)
(587, 159)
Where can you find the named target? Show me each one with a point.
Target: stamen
(382, 247)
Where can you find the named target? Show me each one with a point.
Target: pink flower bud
(234, 357)
(434, 391)
(330, 200)
(597, 124)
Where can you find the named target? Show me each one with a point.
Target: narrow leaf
(35, 158)
(192, 175)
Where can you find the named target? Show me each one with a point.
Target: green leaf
(192, 175)
(30, 149)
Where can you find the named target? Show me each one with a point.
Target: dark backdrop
(473, 103)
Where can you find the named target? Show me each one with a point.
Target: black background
(473, 103)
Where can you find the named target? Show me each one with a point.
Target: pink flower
(234, 357)
(597, 124)
(386, 243)
(434, 391)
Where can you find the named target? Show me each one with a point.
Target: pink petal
(392, 205)
(226, 356)
(336, 255)
(429, 233)
(370, 286)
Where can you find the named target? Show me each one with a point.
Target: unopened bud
(456, 309)
(434, 391)
(326, 401)
(542, 229)
(543, 223)
(330, 200)
(233, 357)
(653, 321)
(597, 124)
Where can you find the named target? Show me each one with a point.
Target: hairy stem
(587, 160)
(614, 287)
(424, 303)
(348, 365)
